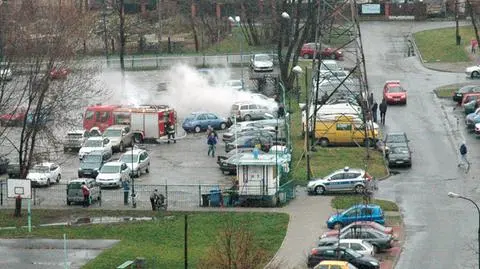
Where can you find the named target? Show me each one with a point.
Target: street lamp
(286, 16)
(456, 195)
(298, 70)
(236, 20)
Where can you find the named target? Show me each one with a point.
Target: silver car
(137, 160)
(248, 111)
(347, 179)
(261, 63)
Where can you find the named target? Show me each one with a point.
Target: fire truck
(147, 122)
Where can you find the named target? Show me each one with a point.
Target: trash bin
(140, 263)
(205, 199)
(215, 196)
(227, 199)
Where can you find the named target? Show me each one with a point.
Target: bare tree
(40, 48)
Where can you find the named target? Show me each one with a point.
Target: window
(367, 211)
(89, 115)
(338, 176)
(202, 117)
(143, 156)
(101, 116)
(352, 175)
(353, 213)
(344, 126)
(356, 246)
(212, 117)
(244, 107)
(252, 107)
(345, 245)
(335, 267)
(329, 253)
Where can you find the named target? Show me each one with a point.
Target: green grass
(346, 201)
(445, 92)
(439, 45)
(162, 240)
(393, 220)
(234, 43)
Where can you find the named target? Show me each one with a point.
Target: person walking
(383, 110)
(171, 132)
(474, 44)
(86, 195)
(126, 191)
(374, 111)
(153, 199)
(463, 156)
(211, 141)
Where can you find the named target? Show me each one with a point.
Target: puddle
(103, 220)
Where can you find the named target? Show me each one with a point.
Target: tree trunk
(122, 34)
(195, 34)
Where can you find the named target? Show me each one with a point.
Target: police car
(342, 180)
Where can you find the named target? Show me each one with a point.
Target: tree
(40, 41)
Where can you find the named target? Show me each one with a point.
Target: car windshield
(190, 118)
(74, 136)
(353, 253)
(395, 89)
(366, 243)
(399, 150)
(92, 158)
(112, 133)
(262, 58)
(93, 144)
(127, 157)
(109, 169)
(75, 185)
(466, 89)
(396, 138)
(329, 66)
(39, 169)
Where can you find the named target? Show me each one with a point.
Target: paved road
(438, 229)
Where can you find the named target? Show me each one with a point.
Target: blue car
(360, 212)
(199, 121)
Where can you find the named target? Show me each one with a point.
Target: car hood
(132, 166)
(89, 149)
(36, 175)
(334, 217)
(472, 68)
(315, 181)
(263, 63)
(471, 116)
(395, 94)
(399, 155)
(108, 176)
(90, 165)
(115, 140)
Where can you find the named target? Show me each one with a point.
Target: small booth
(259, 176)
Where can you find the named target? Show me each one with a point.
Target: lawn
(346, 201)
(161, 240)
(439, 45)
(445, 92)
(325, 160)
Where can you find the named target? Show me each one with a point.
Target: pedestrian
(370, 100)
(281, 111)
(463, 156)
(374, 111)
(474, 44)
(153, 199)
(324, 98)
(126, 190)
(383, 110)
(211, 141)
(171, 132)
(86, 195)
(229, 122)
(209, 131)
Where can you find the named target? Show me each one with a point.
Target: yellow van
(345, 130)
(334, 265)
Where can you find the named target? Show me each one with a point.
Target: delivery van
(345, 130)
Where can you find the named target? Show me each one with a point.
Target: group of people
(374, 107)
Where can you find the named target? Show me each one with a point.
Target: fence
(176, 196)
(286, 193)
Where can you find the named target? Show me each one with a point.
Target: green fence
(286, 193)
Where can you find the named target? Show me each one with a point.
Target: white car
(261, 63)
(5, 73)
(473, 71)
(96, 143)
(137, 161)
(234, 84)
(44, 174)
(112, 174)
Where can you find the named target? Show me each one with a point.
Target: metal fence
(176, 196)
(286, 193)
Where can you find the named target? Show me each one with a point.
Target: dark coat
(383, 107)
(374, 107)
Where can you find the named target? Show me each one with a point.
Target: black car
(4, 165)
(458, 94)
(221, 158)
(250, 142)
(341, 254)
(392, 139)
(227, 166)
(90, 165)
(254, 132)
(399, 155)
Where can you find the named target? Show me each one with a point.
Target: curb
(397, 257)
(274, 258)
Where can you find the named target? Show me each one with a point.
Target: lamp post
(236, 20)
(286, 16)
(134, 198)
(298, 70)
(456, 195)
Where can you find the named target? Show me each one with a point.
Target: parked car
(96, 143)
(368, 212)
(13, 170)
(379, 240)
(341, 180)
(344, 254)
(359, 225)
(308, 49)
(91, 164)
(59, 72)
(359, 245)
(327, 67)
(222, 158)
(4, 161)
(473, 71)
(74, 140)
(120, 136)
(248, 110)
(457, 95)
(395, 138)
(472, 119)
(44, 174)
(199, 121)
(399, 155)
(394, 93)
(75, 194)
(254, 132)
(5, 73)
(15, 118)
(229, 135)
(471, 106)
(477, 129)
(335, 265)
(261, 63)
(112, 174)
(137, 160)
(227, 167)
(249, 142)
(234, 84)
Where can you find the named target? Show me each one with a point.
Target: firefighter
(171, 132)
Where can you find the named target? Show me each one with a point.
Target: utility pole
(317, 49)
(159, 9)
(457, 34)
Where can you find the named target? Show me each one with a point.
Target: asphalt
(436, 226)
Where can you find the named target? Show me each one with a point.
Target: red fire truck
(148, 122)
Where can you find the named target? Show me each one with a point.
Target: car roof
(134, 151)
(350, 170)
(44, 164)
(76, 132)
(113, 163)
(261, 54)
(81, 180)
(329, 247)
(366, 206)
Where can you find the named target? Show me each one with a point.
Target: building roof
(263, 159)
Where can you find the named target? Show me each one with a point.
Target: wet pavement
(436, 226)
